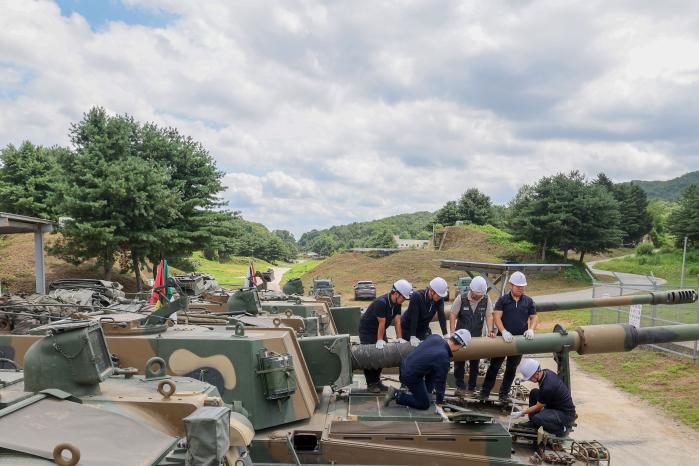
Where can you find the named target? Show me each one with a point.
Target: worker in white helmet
(514, 314)
(470, 310)
(550, 405)
(381, 313)
(424, 304)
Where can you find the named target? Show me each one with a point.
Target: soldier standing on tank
(425, 370)
(515, 314)
(381, 313)
(424, 304)
(470, 311)
(550, 405)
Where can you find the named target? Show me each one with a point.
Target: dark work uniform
(471, 320)
(421, 310)
(381, 307)
(559, 410)
(515, 319)
(425, 369)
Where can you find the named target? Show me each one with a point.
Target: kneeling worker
(381, 313)
(550, 405)
(425, 369)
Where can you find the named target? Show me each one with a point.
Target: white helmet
(478, 285)
(518, 279)
(439, 286)
(403, 287)
(528, 367)
(462, 336)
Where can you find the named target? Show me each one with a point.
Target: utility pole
(684, 255)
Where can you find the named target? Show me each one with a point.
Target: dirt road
(634, 432)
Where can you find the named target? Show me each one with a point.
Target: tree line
(126, 193)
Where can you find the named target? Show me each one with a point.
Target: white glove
(517, 414)
(447, 336)
(529, 334)
(414, 341)
(380, 344)
(507, 336)
(400, 340)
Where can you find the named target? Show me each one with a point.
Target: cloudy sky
(324, 113)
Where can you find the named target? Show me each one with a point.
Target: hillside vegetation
(367, 234)
(670, 189)
(419, 266)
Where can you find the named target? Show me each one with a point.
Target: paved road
(278, 273)
(632, 281)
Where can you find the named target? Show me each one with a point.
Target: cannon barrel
(652, 297)
(588, 339)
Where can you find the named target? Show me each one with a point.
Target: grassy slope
(419, 266)
(232, 273)
(17, 266)
(300, 269)
(666, 264)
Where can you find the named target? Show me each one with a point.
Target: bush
(644, 249)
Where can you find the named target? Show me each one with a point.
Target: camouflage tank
(299, 395)
(70, 406)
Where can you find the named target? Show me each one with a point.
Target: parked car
(365, 289)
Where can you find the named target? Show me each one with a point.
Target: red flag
(159, 284)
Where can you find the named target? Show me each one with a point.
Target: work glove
(400, 340)
(517, 414)
(529, 334)
(447, 336)
(507, 336)
(414, 341)
(380, 344)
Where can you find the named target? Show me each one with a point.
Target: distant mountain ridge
(668, 190)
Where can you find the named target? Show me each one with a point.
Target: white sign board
(635, 315)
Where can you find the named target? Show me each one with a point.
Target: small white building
(411, 243)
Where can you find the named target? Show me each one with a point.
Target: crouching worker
(425, 370)
(550, 405)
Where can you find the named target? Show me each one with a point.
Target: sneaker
(526, 425)
(390, 396)
(374, 388)
(483, 396)
(504, 398)
(383, 387)
(461, 392)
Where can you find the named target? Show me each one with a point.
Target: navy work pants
(372, 376)
(552, 420)
(507, 379)
(460, 372)
(419, 396)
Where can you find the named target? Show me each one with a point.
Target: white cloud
(326, 113)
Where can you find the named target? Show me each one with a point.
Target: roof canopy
(489, 267)
(13, 223)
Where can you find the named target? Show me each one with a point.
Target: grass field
(665, 381)
(231, 273)
(300, 269)
(663, 264)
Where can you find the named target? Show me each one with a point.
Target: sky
(325, 113)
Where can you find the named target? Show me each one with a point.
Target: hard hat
(439, 286)
(462, 337)
(478, 285)
(528, 367)
(403, 287)
(518, 279)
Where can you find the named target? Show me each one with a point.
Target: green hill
(356, 234)
(668, 190)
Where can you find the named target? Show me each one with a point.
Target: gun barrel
(654, 297)
(588, 339)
